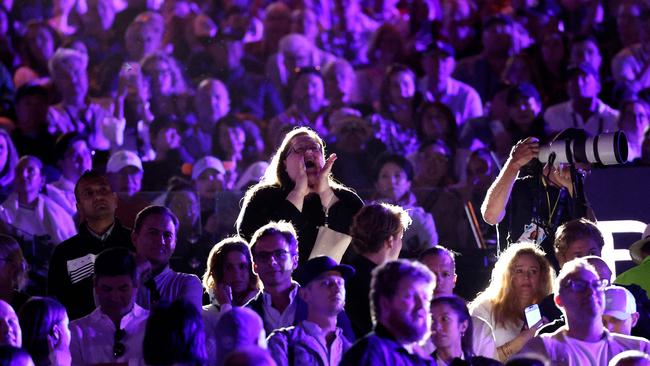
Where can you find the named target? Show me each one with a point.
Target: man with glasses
(114, 332)
(275, 256)
(583, 340)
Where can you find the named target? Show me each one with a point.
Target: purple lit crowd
(302, 182)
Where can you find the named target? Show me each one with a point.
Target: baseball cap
(316, 266)
(636, 249)
(207, 162)
(121, 159)
(619, 302)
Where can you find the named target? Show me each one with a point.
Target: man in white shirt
(438, 85)
(583, 109)
(317, 339)
(583, 340)
(114, 332)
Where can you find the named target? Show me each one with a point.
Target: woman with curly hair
(522, 276)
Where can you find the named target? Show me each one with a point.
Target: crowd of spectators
(287, 151)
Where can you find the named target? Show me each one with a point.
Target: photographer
(529, 201)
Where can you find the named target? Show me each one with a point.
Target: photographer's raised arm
(494, 205)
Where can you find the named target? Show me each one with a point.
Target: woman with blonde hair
(522, 276)
(298, 187)
(13, 272)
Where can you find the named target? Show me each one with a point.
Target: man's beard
(409, 330)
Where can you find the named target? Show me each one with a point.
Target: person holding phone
(521, 277)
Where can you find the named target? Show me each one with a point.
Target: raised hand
(523, 152)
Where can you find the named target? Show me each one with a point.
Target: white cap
(207, 162)
(253, 173)
(121, 159)
(619, 302)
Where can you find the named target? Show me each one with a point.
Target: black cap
(316, 266)
(440, 48)
(582, 67)
(525, 90)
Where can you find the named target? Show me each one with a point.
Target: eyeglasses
(280, 255)
(119, 349)
(301, 150)
(582, 285)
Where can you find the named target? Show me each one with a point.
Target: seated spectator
(31, 136)
(114, 331)
(8, 161)
(170, 155)
(350, 32)
(73, 158)
(212, 104)
(522, 276)
(393, 177)
(630, 65)
(275, 257)
(452, 332)
(340, 84)
(583, 109)
(398, 323)
(634, 121)
(239, 143)
(14, 356)
(307, 106)
(144, 35)
(322, 288)
(229, 281)
(154, 238)
(620, 314)
(174, 335)
(294, 51)
(99, 230)
(385, 48)
(39, 42)
(433, 165)
(435, 121)
(277, 24)
(376, 231)
(524, 114)
(579, 293)
(166, 86)
(239, 328)
(76, 113)
(10, 332)
(442, 263)
(357, 149)
(32, 215)
(124, 171)
(14, 269)
(46, 332)
(209, 175)
(98, 32)
(395, 123)
(439, 86)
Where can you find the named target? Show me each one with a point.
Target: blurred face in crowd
(28, 177)
(354, 135)
(95, 199)
(432, 164)
(309, 93)
(71, 78)
(226, 54)
(579, 248)
(128, 180)
(586, 51)
(209, 183)
(401, 87)
(40, 42)
(156, 239)
(583, 85)
(524, 111)
(142, 40)
(435, 123)
(634, 121)
(277, 22)
(300, 57)
(446, 327)
(444, 269)
(212, 101)
(10, 333)
(236, 272)
(305, 149)
(581, 296)
(115, 294)
(339, 83)
(76, 160)
(274, 261)
(480, 171)
(392, 182)
(326, 294)
(498, 40)
(553, 48)
(232, 139)
(407, 313)
(525, 277)
(159, 74)
(167, 139)
(185, 205)
(31, 113)
(439, 66)
(304, 22)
